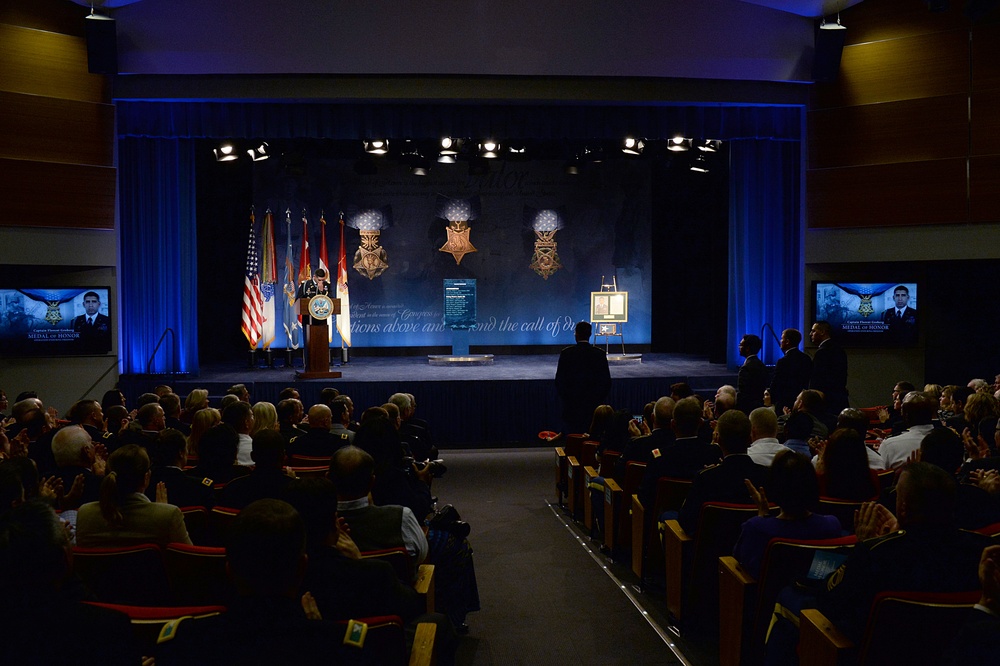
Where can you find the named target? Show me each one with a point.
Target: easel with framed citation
(609, 313)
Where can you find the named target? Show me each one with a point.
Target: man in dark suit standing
(791, 372)
(583, 380)
(902, 319)
(94, 328)
(829, 374)
(752, 378)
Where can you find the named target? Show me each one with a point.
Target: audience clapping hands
(873, 520)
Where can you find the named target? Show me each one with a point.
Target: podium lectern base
(317, 375)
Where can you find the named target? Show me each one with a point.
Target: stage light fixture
(700, 164)
(709, 145)
(225, 153)
(377, 146)
(678, 144)
(633, 146)
(490, 149)
(832, 26)
(517, 149)
(449, 146)
(259, 153)
(446, 158)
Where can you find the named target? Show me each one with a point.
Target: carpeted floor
(545, 598)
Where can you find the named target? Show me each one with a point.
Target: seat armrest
(612, 498)
(821, 643)
(676, 546)
(638, 535)
(422, 653)
(424, 585)
(737, 590)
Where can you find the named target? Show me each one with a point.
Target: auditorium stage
(503, 404)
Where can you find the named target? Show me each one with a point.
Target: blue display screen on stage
(460, 304)
(535, 240)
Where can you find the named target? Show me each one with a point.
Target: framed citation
(609, 306)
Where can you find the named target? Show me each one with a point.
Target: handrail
(173, 340)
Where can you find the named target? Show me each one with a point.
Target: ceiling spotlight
(832, 26)
(632, 146)
(709, 145)
(446, 158)
(592, 154)
(377, 146)
(225, 153)
(490, 149)
(449, 146)
(420, 167)
(259, 153)
(700, 164)
(678, 144)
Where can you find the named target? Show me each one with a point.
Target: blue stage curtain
(158, 254)
(272, 120)
(765, 250)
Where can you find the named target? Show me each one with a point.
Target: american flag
(253, 315)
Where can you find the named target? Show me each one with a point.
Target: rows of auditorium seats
(710, 598)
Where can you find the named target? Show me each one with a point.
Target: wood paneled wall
(57, 135)
(910, 132)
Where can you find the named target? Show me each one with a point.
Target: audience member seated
(268, 623)
(919, 549)
(798, 431)
(124, 515)
(416, 437)
(946, 406)
(268, 478)
(979, 640)
(812, 403)
(976, 507)
(171, 404)
(388, 526)
(341, 419)
(398, 480)
(202, 421)
(793, 486)
(959, 397)
(42, 617)
(317, 441)
(891, 418)
(88, 414)
(843, 468)
(217, 464)
(764, 437)
(624, 435)
(981, 409)
(346, 399)
(290, 414)
(682, 455)
(168, 457)
(112, 398)
(196, 401)
(724, 482)
(150, 420)
(240, 391)
(918, 414)
(116, 419)
(76, 457)
(856, 420)
(265, 417)
(239, 416)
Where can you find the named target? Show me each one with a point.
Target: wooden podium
(317, 347)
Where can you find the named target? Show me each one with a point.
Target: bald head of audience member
(352, 471)
(72, 447)
(320, 417)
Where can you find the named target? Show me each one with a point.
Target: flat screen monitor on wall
(61, 321)
(869, 314)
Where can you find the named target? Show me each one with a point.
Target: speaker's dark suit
(791, 377)
(750, 384)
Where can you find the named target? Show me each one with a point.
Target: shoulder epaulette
(656, 453)
(207, 482)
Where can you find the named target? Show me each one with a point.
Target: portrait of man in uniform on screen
(901, 319)
(94, 328)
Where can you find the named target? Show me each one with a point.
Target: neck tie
(90, 321)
